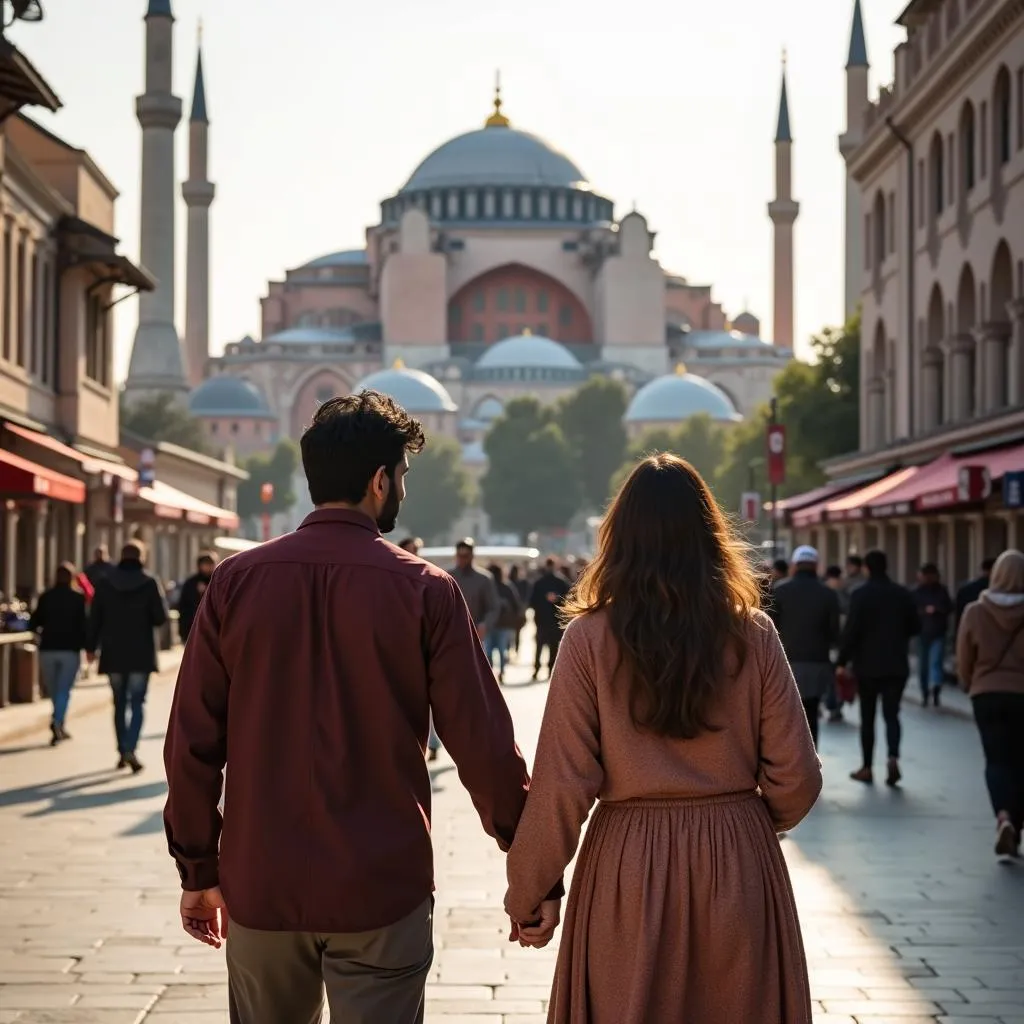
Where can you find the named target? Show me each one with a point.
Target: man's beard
(389, 513)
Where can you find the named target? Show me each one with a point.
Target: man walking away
(549, 591)
(322, 696)
(499, 638)
(192, 591)
(934, 607)
(477, 588)
(61, 619)
(970, 591)
(882, 620)
(521, 585)
(856, 577)
(99, 568)
(806, 614)
(128, 608)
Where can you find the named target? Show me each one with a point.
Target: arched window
(937, 171)
(1001, 131)
(878, 225)
(968, 147)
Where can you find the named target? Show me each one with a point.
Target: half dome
(343, 258)
(414, 390)
(528, 352)
(224, 395)
(309, 336)
(495, 155)
(678, 396)
(725, 340)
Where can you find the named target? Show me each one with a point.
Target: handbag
(846, 686)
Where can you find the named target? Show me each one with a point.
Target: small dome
(342, 258)
(309, 336)
(416, 391)
(678, 396)
(224, 395)
(495, 155)
(724, 340)
(528, 351)
(488, 409)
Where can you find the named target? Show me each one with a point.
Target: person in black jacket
(192, 591)
(546, 599)
(61, 620)
(934, 606)
(127, 609)
(882, 621)
(806, 614)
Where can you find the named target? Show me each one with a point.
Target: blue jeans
(129, 696)
(930, 664)
(498, 640)
(59, 670)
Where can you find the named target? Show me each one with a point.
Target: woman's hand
(539, 931)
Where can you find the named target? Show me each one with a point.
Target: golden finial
(497, 119)
(398, 364)
(785, 58)
(728, 325)
(199, 32)
(527, 332)
(680, 369)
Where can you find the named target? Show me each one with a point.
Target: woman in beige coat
(673, 704)
(990, 662)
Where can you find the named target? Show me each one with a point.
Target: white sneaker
(1006, 842)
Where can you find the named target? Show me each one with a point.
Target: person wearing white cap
(806, 614)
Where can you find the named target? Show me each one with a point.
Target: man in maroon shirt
(313, 665)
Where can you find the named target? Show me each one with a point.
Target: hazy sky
(320, 109)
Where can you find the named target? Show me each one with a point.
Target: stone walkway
(907, 917)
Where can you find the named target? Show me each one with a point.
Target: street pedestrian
(321, 697)
(934, 608)
(549, 591)
(127, 610)
(856, 577)
(990, 663)
(499, 636)
(99, 567)
(806, 613)
(192, 591)
(969, 592)
(60, 619)
(834, 580)
(521, 585)
(477, 588)
(882, 621)
(411, 544)
(680, 716)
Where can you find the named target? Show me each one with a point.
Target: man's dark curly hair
(350, 438)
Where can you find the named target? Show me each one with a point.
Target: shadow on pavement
(150, 825)
(70, 794)
(435, 773)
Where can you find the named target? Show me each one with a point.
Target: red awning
(901, 500)
(170, 503)
(20, 477)
(852, 506)
(942, 488)
(87, 462)
(821, 495)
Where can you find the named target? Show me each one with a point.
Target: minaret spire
(856, 107)
(497, 118)
(783, 211)
(198, 193)
(858, 56)
(156, 359)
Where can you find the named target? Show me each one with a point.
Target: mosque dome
(725, 340)
(343, 258)
(309, 336)
(417, 392)
(528, 352)
(676, 397)
(224, 395)
(495, 155)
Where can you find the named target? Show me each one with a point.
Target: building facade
(936, 169)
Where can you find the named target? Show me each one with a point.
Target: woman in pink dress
(672, 705)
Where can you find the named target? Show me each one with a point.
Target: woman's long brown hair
(678, 589)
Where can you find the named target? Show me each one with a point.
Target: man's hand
(541, 929)
(204, 916)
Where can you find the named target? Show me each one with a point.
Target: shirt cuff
(198, 875)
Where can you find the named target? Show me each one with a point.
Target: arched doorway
(933, 369)
(320, 386)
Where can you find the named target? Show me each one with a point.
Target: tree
(278, 469)
(530, 483)
(698, 439)
(163, 418)
(438, 489)
(591, 419)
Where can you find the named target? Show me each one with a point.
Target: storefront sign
(1013, 489)
(776, 453)
(116, 501)
(973, 484)
(750, 506)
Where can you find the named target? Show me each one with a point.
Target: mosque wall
(315, 305)
(694, 306)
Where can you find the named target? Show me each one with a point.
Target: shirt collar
(348, 516)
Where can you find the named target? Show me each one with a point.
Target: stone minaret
(198, 194)
(156, 361)
(783, 211)
(856, 106)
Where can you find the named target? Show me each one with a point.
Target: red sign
(776, 453)
(973, 484)
(750, 506)
(267, 493)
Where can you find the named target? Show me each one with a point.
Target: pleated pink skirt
(681, 912)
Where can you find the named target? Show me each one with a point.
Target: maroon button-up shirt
(310, 671)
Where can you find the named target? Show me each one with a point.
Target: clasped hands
(539, 930)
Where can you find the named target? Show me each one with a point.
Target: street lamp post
(266, 496)
(776, 438)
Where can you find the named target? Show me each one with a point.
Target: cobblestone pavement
(906, 915)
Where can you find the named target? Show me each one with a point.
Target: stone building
(935, 258)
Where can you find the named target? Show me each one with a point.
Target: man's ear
(378, 484)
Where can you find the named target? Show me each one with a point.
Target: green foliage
(277, 468)
(437, 489)
(163, 418)
(699, 440)
(591, 420)
(531, 481)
